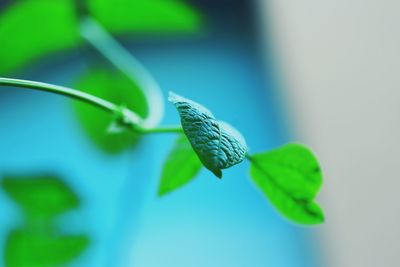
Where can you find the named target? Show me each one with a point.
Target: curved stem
(61, 90)
(128, 116)
(95, 34)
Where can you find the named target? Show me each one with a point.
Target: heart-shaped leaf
(40, 196)
(181, 166)
(119, 89)
(30, 248)
(290, 177)
(218, 145)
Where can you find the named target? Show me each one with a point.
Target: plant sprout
(290, 176)
(126, 100)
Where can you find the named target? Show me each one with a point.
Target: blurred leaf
(31, 29)
(181, 166)
(25, 248)
(38, 244)
(290, 177)
(162, 16)
(115, 87)
(42, 196)
(218, 145)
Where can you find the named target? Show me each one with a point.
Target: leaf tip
(320, 218)
(316, 214)
(172, 97)
(217, 173)
(162, 192)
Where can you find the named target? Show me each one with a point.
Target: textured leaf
(32, 29)
(218, 145)
(181, 166)
(42, 196)
(29, 249)
(115, 87)
(290, 177)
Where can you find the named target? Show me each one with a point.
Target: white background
(340, 67)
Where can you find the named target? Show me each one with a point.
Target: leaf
(25, 248)
(38, 243)
(150, 16)
(32, 29)
(117, 88)
(218, 145)
(290, 177)
(181, 166)
(40, 196)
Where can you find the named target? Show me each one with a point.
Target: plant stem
(65, 91)
(249, 157)
(163, 129)
(106, 45)
(128, 116)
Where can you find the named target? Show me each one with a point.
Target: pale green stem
(163, 129)
(128, 117)
(65, 91)
(95, 34)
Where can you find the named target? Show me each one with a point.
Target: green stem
(163, 129)
(249, 157)
(99, 38)
(128, 116)
(65, 91)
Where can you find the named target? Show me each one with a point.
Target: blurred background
(323, 73)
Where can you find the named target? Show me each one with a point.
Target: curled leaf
(218, 145)
(290, 177)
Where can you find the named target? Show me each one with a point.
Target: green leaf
(32, 29)
(150, 16)
(181, 166)
(38, 243)
(117, 88)
(290, 177)
(40, 196)
(218, 145)
(25, 248)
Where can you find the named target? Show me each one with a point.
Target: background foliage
(31, 30)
